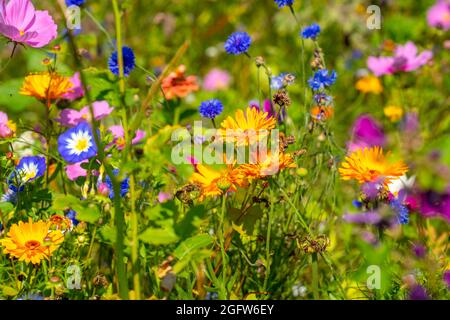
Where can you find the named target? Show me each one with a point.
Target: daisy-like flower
(369, 84)
(267, 165)
(46, 86)
(77, 144)
(21, 23)
(7, 127)
(215, 183)
(129, 61)
(178, 85)
(31, 241)
(28, 169)
(247, 128)
(371, 165)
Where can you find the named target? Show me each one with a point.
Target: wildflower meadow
(224, 150)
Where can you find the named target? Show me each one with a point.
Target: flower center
(30, 175)
(21, 32)
(32, 244)
(81, 144)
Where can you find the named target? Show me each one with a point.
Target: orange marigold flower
(247, 128)
(394, 113)
(371, 165)
(267, 165)
(369, 84)
(322, 113)
(46, 86)
(215, 183)
(31, 241)
(177, 85)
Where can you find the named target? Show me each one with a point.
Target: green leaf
(192, 244)
(158, 236)
(89, 214)
(9, 291)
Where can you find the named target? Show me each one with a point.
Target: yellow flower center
(22, 32)
(30, 175)
(32, 244)
(81, 144)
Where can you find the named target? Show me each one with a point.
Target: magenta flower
(119, 135)
(216, 80)
(72, 117)
(76, 91)
(405, 59)
(438, 16)
(366, 133)
(164, 196)
(21, 23)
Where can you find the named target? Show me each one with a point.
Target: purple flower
(21, 23)
(433, 204)
(446, 278)
(371, 217)
(72, 117)
(419, 250)
(311, 32)
(405, 59)
(366, 132)
(76, 91)
(410, 122)
(438, 16)
(418, 292)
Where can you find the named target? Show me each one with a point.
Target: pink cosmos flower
(7, 127)
(216, 80)
(119, 136)
(405, 59)
(21, 23)
(164, 196)
(366, 133)
(76, 90)
(438, 16)
(72, 117)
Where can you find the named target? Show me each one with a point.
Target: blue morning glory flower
(311, 32)
(238, 43)
(282, 3)
(321, 79)
(28, 169)
(210, 108)
(129, 61)
(77, 144)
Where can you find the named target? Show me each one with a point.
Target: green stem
(315, 277)
(222, 246)
(268, 256)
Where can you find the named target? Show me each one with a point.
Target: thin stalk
(315, 276)
(222, 244)
(268, 256)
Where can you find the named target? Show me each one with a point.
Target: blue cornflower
(321, 79)
(124, 185)
(238, 43)
(74, 2)
(322, 99)
(311, 32)
(129, 61)
(357, 204)
(77, 144)
(29, 169)
(282, 3)
(401, 210)
(210, 108)
(72, 216)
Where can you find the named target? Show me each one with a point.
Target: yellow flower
(369, 84)
(248, 128)
(267, 165)
(46, 86)
(215, 183)
(371, 165)
(393, 113)
(31, 242)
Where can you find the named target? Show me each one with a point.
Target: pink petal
(77, 88)
(70, 117)
(45, 28)
(380, 66)
(101, 110)
(140, 135)
(75, 170)
(20, 14)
